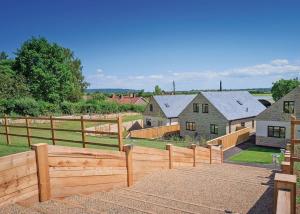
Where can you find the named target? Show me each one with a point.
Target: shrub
(48, 108)
(26, 106)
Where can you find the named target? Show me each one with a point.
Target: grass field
(256, 154)
(19, 144)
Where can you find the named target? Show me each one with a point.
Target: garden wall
(18, 177)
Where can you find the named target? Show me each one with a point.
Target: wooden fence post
(128, 150)
(285, 182)
(6, 130)
(28, 130)
(170, 148)
(52, 130)
(41, 153)
(293, 118)
(193, 147)
(210, 154)
(82, 131)
(120, 133)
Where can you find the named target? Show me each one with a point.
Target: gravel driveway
(225, 187)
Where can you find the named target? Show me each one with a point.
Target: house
(273, 125)
(131, 99)
(164, 109)
(213, 114)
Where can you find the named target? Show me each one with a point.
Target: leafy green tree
(157, 90)
(11, 84)
(52, 72)
(3, 55)
(282, 87)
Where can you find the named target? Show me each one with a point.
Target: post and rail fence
(7, 132)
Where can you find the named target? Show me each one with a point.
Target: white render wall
(262, 128)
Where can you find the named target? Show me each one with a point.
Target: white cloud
(268, 71)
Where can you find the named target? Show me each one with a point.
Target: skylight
(239, 102)
(167, 105)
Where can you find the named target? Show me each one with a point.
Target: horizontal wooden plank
(17, 172)
(86, 180)
(153, 151)
(82, 162)
(16, 185)
(73, 150)
(81, 171)
(141, 157)
(19, 195)
(15, 160)
(67, 191)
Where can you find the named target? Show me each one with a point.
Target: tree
(52, 72)
(3, 55)
(282, 87)
(11, 84)
(157, 90)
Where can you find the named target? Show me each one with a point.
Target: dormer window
(151, 107)
(288, 107)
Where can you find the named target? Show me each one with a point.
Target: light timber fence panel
(182, 157)
(146, 160)
(18, 178)
(230, 140)
(155, 132)
(76, 170)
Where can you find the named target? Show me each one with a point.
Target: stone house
(273, 125)
(213, 114)
(164, 110)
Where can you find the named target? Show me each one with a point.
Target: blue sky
(140, 43)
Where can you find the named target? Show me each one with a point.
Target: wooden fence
(53, 130)
(154, 132)
(285, 182)
(230, 140)
(58, 171)
(18, 177)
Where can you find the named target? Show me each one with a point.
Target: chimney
(174, 87)
(221, 88)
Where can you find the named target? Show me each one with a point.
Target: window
(151, 107)
(276, 131)
(148, 122)
(204, 108)
(288, 107)
(195, 107)
(190, 126)
(214, 129)
(243, 124)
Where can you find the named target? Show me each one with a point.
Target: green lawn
(255, 154)
(19, 144)
(266, 94)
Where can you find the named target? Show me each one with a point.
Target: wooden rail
(230, 140)
(53, 130)
(154, 132)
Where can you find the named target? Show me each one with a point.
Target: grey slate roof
(173, 105)
(235, 104)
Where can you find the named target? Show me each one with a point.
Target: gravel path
(235, 188)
